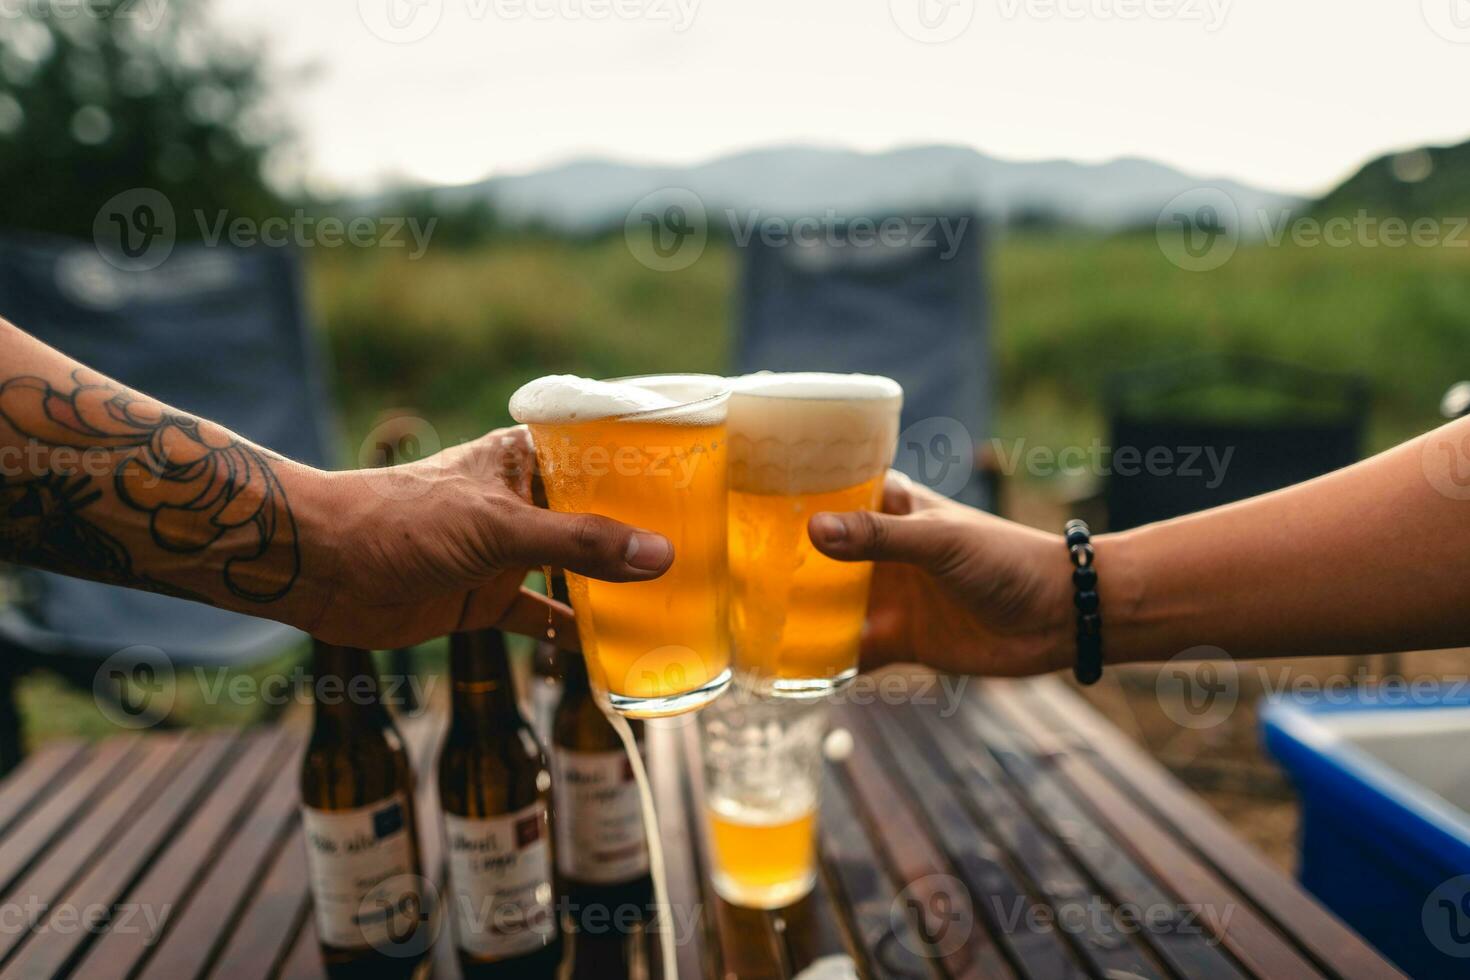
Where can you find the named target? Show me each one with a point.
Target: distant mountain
(587, 195)
(1430, 182)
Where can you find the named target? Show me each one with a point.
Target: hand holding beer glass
(650, 452)
(801, 444)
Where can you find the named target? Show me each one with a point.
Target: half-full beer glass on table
(650, 452)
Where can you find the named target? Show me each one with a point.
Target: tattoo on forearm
(199, 486)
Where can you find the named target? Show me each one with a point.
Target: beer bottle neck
(573, 673)
(346, 687)
(482, 691)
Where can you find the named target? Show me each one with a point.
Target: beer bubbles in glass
(800, 444)
(650, 452)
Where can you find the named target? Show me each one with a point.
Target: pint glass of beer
(762, 772)
(650, 452)
(800, 444)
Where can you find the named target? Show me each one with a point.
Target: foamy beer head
(806, 433)
(565, 399)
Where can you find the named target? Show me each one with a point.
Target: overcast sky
(1289, 94)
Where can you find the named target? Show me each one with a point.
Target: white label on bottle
(500, 882)
(599, 827)
(363, 881)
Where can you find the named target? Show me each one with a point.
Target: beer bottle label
(500, 882)
(599, 826)
(363, 881)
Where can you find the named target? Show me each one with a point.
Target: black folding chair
(912, 308)
(215, 331)
(1223, 428)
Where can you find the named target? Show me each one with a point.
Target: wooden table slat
(304, 959)
(667, 763)
(204, 924)
(887, 942)
(262, 937)
(1104, 945)
(1320, 934)
(170, 878)
(34, 833)
(810, 929)
(107, 879)
(926, 874)
(149, 772)
(1252, 940)
(1121, 878)
(1026, 796)
(38, 773)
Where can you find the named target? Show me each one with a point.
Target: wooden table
(1020, 836)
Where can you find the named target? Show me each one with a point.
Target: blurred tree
(102, 96)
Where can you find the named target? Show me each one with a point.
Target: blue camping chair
(913, 310)
(218, 332)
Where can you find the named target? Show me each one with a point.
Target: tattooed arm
(102, 482)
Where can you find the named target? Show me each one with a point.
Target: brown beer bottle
(495, 792)
(546, 683)
(601, 850)
(362, 851)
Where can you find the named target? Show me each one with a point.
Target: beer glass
(762, 772)
(801, 444)
(650, 452)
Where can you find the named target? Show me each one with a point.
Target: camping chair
(914, 311)
(215, 331)
(1278, 423)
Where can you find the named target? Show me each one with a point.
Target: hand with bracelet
(1370, 559)
(102, 482)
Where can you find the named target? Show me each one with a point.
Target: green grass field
(452, 334)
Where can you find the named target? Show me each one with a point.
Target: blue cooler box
(1384, 781)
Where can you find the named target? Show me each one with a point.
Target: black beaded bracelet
(1089, 665)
